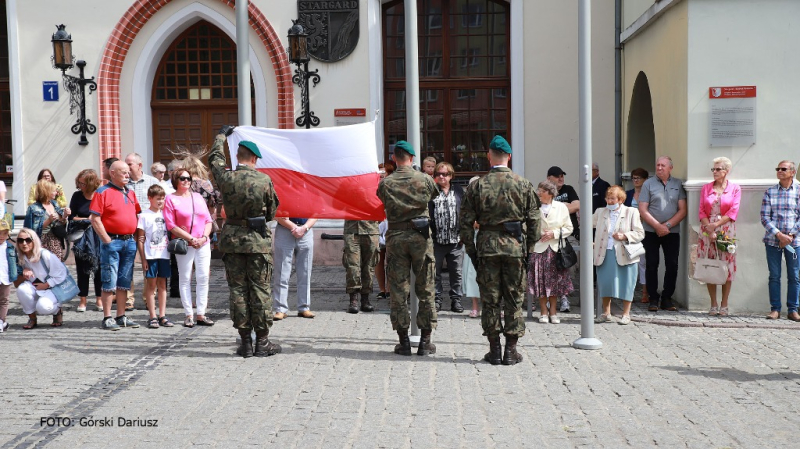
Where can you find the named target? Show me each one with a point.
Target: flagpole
(587, 340)
(243, 62)
(412, 121)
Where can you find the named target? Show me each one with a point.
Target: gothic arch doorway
(194, 91)
(641, 134)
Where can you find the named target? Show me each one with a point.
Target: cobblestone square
(665, 380)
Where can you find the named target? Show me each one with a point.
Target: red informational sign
(732, 92)
(349, 112)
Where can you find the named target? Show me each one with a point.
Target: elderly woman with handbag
(45, 282)
(545, 280)
(719, 208)
(617, 248)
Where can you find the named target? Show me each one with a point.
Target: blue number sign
(50, 90)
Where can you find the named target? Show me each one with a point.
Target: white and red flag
(319, 173)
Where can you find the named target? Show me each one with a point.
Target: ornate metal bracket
(301, 76)
(77, 100)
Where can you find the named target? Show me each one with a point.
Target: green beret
(405, 146)
(251, 146)
(500, 144)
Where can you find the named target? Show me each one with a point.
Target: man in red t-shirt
(115, 211)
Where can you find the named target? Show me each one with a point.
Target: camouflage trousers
(501, 280)
(249, 280)
(406, 251)
(359, 259)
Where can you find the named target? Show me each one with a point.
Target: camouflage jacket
(496, 198)
(246, 193)
(405, 194)
(361, 227)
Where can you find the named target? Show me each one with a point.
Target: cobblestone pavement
(338, 384)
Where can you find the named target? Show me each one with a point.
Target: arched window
(464, 74)
(195, 90)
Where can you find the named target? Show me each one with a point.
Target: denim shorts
(158, 268)
(116, 264)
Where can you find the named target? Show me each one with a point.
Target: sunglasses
(715, 169)
(781, 168)
(443, 174)
(27, 240)
(185, 178)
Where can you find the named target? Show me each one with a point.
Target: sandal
(165, 322)
(723, 311)
(714, 311)
(473, 313)
(58, 319)
(32, 323)
(152, 323)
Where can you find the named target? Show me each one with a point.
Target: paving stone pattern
(338, 384)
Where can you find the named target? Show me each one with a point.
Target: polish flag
(319, 173)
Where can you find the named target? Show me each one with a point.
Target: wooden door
(188, 127)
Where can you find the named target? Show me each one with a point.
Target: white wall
(731, 43)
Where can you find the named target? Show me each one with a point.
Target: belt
(236, 222)
(401, 226)
(120, 236)
(492, 228)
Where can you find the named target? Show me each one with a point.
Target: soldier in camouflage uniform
(501, 202)
(405, 196)
(359, 259)
(246, 193)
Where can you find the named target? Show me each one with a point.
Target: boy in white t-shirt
(152, 240)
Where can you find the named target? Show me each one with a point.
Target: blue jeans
(116, 264)
(792, 273)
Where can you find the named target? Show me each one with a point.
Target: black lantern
(62, 60)
(298, 54)
(62, 48)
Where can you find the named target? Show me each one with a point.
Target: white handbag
(711, 271)
(634, 250)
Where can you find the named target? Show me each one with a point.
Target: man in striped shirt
(780, 216)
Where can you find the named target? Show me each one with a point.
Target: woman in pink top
(186, 216)
(719, 207)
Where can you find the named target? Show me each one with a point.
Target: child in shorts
(8, 271)
(152, 240)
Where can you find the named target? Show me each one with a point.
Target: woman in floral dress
(719, 207)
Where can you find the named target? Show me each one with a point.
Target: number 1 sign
(50, 90)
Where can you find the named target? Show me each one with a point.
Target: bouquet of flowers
(726, 243)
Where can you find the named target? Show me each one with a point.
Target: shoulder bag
(711, 271)
(633, 250)
(67, 289)
(566, 256)
(179, 245)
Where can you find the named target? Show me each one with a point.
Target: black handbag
(566, 256)
(59, 230)
(178, 246)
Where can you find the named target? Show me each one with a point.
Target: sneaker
(2, 326)
(603, 318)
(624, 320)
(555, 320)
(81, 309)
(124, 321)
(564, 305)
(544, 319)
(110, 324)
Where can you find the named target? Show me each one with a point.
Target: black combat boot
(246, 347)
(353, 308)
(425, 345)
(455, 305)
(438, 302)
(510, 355)
(365, 304)
(404, 348)
(264, 347)
(494, 355)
